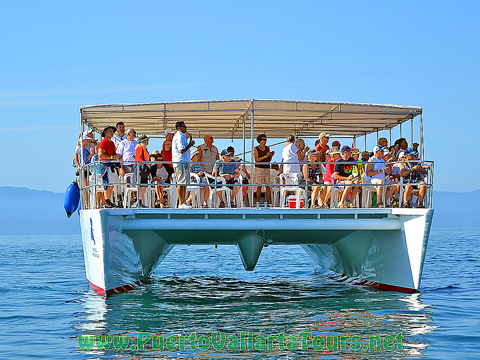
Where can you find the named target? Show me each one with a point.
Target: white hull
(379, 247)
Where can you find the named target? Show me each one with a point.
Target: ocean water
(46, 305)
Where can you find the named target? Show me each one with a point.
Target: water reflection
(265, 303)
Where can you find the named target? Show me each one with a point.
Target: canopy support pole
(411, 133)
(81, 179)
(422, 149)
(401, 130)
(390, 140)
(244, 145)
(365, 137)
(252, 155)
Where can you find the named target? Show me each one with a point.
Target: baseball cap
(169, 131)
(378, 148)
(346, 148)
(225, 152)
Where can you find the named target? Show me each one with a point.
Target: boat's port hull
(384, 248)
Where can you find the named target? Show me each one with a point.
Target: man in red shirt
(108, 152)
(323, 137)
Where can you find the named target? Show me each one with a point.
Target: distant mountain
(31, 212)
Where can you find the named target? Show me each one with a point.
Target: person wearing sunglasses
(263, 156)
(208, 153)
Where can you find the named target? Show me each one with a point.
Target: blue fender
(72, 199)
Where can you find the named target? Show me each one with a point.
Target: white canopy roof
(276, 118)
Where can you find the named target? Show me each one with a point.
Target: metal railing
(93, 185)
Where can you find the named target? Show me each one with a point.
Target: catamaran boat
(380, 247)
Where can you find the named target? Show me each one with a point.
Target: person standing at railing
(142, 169)
(126, 149)
(108, 152)
(343, 173)
(181, 160)
(291, 154)
(167, 152)
(378, 174)
(120, 135)
(263, 155)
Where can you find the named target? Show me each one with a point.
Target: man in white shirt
(292, 154)
(120, 134)
(181, 160)
(126, 148)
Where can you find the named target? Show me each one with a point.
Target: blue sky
(58, 56)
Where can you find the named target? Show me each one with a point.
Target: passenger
(292, 154)
(323, 145)
(313, 174)
(88, 152)
(263, 156)
(167, 152)
(142, 158)
(87, 156)
(378, 174)
(300, 144)
(357, 171)
(91, 145)
(245, 177)
(414, 175)
(126, 148)
(230, 172)
(400, 144)
(322, 158)
(197, 168)
(159, 176)
(120, 134)
(336, 144)
(108, 152)
(181, 159)
(383, 142)
(331, 157)
(343, 173)
(208, 153)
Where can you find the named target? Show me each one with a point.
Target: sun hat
(142, 138)
(323, 135)
(108, 127)
(333, 150)
(86, 132)
(155, 152)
